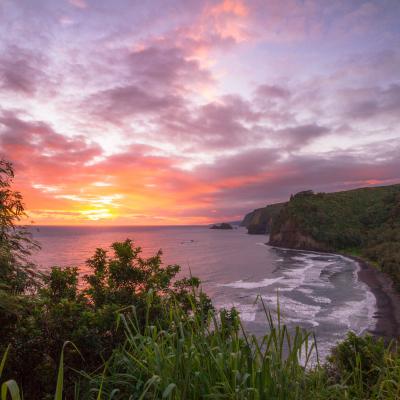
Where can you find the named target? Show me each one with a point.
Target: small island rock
(224, 225)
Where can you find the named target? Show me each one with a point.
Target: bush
(361, 357)
(59, 312)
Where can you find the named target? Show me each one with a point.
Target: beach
(387, 300)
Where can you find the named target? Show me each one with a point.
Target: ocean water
(319, 292)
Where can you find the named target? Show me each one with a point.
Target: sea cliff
(362, 222)
(346, 220)
(260, 220)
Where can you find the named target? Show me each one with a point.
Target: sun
(97, 214)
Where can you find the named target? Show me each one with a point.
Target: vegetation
(58, 311)
(364, 222)
(39, 313)
(203, 355)
(132, 330)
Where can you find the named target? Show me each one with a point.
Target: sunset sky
(190, 112)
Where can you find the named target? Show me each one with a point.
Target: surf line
(358, 269)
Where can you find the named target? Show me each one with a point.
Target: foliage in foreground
(197, 358)
(40, 312)
(215, 358)
(59, 311)
(203, 355)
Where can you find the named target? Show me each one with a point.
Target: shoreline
(387, 314)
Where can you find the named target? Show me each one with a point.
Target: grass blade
(12, 388)
(3, 360)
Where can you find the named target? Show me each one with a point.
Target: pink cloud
(78, 3)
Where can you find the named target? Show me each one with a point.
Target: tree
(126, 278)
(17, 275)
(16, 243)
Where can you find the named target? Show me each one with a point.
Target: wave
(252, 285)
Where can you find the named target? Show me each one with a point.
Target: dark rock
(224, 225)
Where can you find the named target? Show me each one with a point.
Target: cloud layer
(192, 112)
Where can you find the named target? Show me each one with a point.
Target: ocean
(319, 292)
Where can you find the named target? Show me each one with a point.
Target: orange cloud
(229, 19)
(217, 26)
(234, 7)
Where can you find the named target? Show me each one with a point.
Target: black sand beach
(387, 300)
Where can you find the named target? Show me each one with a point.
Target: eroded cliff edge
(361, 222)
(260, 220)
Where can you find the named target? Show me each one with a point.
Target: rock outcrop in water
(224, 225)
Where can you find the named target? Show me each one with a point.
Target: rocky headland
(259, 221)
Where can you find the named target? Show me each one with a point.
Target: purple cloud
(20, 70)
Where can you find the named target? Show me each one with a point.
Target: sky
(167, 112)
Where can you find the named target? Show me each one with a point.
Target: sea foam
(252, 285)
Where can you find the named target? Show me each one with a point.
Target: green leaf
(60, 377)
(3, 360)
(168, 390)
(11, 387)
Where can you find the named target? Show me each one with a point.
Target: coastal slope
(362, 222)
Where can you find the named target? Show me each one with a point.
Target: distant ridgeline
(260, 220)
(363, 222)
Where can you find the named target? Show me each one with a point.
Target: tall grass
(211, 356)
(208, 356)
(10, 386)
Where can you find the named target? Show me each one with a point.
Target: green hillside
(364, 222)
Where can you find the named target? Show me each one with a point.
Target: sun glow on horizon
(98, 214)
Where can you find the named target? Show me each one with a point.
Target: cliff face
(291, 235)
(260, 220)
(247, 219)
(363, 221)
(289, 229)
